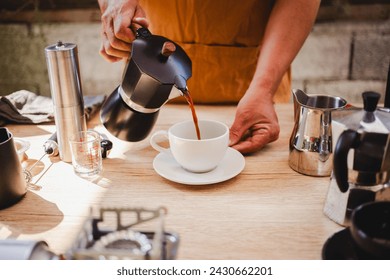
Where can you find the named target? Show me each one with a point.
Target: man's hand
(118, 16)
(255, 125)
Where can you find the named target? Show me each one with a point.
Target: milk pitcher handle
(348, 139)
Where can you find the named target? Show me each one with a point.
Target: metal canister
(66, 92)
(11, 249)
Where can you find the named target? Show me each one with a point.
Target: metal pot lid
(161, 58)
(368, 118)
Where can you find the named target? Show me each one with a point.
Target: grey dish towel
(26, 107)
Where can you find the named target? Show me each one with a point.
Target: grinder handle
(348, 139)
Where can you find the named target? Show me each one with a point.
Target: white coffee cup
(192, 154)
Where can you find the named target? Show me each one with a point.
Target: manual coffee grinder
(65, 86)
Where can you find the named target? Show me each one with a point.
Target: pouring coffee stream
(190, 102)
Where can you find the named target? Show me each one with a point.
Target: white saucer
(231, 165)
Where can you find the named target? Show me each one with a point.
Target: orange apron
(222, 38)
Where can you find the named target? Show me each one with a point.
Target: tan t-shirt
(222, 38)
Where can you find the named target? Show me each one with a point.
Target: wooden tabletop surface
(268, 211)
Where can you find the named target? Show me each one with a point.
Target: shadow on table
(24, 216)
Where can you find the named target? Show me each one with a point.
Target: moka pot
(361, 163)
(156, 71)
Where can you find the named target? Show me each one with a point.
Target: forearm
(289, 25)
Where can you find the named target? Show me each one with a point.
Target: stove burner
(123, 241)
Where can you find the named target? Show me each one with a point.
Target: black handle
(370, 101)
(143, 33)
(105, 145)
(348, 139)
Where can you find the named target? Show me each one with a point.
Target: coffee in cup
(192, 154)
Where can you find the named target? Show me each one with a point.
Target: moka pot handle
(348, 139)
(140, 31)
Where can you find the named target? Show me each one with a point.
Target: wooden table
(267, 212)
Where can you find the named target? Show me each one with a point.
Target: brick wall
(23, 64)
(346, 53)
(345, 59)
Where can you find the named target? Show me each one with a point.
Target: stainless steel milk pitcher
(311, 138)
